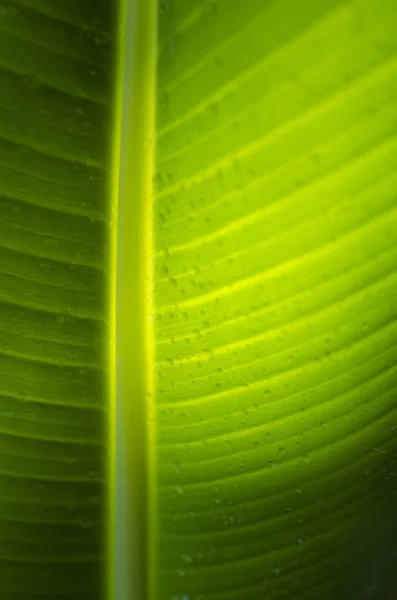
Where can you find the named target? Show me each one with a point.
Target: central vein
(131, 540)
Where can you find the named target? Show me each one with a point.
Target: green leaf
(198, 335)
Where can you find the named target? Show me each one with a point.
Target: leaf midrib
(131, 447)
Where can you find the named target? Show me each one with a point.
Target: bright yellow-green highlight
(275, 234)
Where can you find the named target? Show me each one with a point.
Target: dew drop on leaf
(187, 558)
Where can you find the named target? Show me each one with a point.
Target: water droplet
(187, 558)
(165, 6)
(177, 467)
(165, 253)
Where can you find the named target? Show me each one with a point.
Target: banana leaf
(198, 317)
